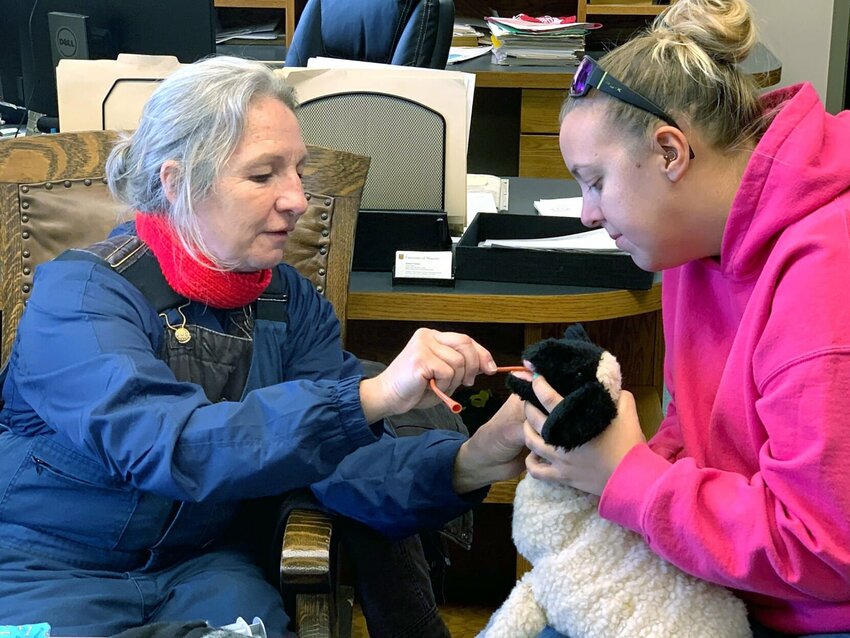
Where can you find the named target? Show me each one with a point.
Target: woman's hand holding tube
(496, 452)
(450, 358)
(589, 466)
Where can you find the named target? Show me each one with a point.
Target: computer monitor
(49, 30)
(11, 76)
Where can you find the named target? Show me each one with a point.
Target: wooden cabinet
(592, 9)
(291, 8)
(539, 152)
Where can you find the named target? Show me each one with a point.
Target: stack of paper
(538, 41)
(465, 35)
(486, 194)
(265, 31)
(561, 207)
(593, 240)
(462, 54)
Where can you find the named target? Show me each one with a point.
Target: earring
(669, 156)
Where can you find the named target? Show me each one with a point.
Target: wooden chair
(53, 196)
(322, 251)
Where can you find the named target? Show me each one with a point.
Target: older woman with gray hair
(125, 458)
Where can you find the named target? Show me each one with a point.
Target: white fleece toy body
(592, 578)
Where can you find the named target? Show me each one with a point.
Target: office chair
(403, 32)
(405, 139)
(53, 196)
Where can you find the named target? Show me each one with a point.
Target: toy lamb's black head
(588, 378)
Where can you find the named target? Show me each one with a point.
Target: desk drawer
(540, 110)
(540, 156)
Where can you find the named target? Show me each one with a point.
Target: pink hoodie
(747, 483)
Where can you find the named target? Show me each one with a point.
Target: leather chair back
(402, 32)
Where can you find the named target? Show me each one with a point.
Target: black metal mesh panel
(406, 141)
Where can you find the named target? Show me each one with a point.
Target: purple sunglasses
(590, 74)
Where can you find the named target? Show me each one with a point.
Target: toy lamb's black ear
(582, 415)
(523, 389)
(576, 331)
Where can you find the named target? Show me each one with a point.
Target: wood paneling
(540, 156)
(463, 621)
(540, 110)
(494, 308)
(623, 9)
(502, 492)
(528, 77)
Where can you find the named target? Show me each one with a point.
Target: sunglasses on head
(590, 75)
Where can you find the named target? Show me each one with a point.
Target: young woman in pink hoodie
(744, 203)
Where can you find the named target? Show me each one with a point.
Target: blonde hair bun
(723, 29)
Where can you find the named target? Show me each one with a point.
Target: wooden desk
(515, 113)
(507, 317)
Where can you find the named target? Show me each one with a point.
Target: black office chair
(403, 32)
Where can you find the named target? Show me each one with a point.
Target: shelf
(254, 4)
(625, 9)
(288, 7)
(586, 9)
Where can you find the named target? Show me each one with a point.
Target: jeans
(216, 586)
(392, 583)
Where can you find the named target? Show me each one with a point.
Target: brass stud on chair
(25, 205)
(25, 234)
(328, 201)
(25, 219)
(87, 182)
(49, 186)
(25, 189)
(67, 183)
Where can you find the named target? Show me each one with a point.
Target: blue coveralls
(120, 485)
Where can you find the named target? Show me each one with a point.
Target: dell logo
(66, 43)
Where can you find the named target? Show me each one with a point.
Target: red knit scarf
(197, 280)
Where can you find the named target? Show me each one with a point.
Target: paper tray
(380, 233)
(603, 270)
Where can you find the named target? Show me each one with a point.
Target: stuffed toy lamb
(592, 578)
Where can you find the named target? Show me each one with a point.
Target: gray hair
(196, 117)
